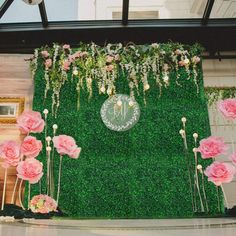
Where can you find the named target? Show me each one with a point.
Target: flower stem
(52, 174)
(29, 189)
(20, 194)
(48, 172)
(4, 189)
(224, 194)
(59, 180)
(204, 192)
(14, 191)
(218, 199)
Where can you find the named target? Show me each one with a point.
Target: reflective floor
(183, 227)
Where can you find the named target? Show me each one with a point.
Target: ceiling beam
(125, 12)
(217, 35)
(207, 11)
(43, 14)
(5, 6)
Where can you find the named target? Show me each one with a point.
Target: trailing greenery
(214, 94)
(139, 173)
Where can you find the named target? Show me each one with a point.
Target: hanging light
(32, 2)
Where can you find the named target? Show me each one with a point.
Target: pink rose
(10, 152)
(31, 147)
(117, 57)
(233, 157)
(109, 68)
(75, 153)
(212, 147)
(43, 204)
(64, 144)
(77, 54)
(66, 65)
(48, 63)
(220, 172)
(30, 121)
(45, 53)
(178, 52)
(66, 46)
(196, 59)
(30, 169)
(109, 59)
(228, 108)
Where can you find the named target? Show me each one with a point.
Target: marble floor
(173, 227)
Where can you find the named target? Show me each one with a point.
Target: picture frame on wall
(10, 109)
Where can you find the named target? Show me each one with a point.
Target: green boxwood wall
(140, 173)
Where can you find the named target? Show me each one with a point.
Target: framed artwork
(10, 109)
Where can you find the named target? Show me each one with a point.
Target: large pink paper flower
(64, 144)
(30, 121)
(233, 158)
(31, 147)
(212, 147)
(43, 204)
(228, 108)
(220, 172)
(30, 169)
(75, 153)
(10, 152)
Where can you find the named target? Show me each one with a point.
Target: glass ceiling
(72, 10)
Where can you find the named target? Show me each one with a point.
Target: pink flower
(48, 63)
(64, 144)
(66, 65)
(220, 172)
(233, 157)
(75, 153)
(109, 68)
(228, 108)
(178, 52)
(30, 121)
(212, 147)
(66, 46)
(30, 169)
(45, 53)
(31, 147)
(109, 59)
(10, 152)
(196, 59)
(117, 57)
(43, 204)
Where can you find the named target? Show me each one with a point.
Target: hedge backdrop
(139, 173)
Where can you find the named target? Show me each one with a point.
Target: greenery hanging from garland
(215, 94)
(90, 65)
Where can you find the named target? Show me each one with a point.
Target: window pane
(224, 9)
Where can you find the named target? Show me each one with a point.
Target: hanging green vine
(214, 94)
(90, 65)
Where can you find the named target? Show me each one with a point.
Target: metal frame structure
(214, 34)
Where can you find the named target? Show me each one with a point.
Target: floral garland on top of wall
(90, 63)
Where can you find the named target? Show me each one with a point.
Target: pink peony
(65, 145)
(212, 147)
(66, 65)
(66, 46)
(75, 153)
(220, 172)
(43, 204)
(45, 53)
(31, 147)
(233, 157)
(228, 108)
(10, 152)
(48, 63)
(30, 121)
(30, 169)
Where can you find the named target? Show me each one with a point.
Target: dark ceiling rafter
(217, 35)
(207, 11)
(125, 12)
(5, 6)
(43, 14)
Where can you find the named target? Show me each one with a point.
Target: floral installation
(91, 64)
(23, 156)
(43, 204)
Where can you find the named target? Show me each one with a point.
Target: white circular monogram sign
(120, 112)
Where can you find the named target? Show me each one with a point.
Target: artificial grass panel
(139, 173)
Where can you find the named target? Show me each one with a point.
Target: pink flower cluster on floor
(66, 145)
(43, 204)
